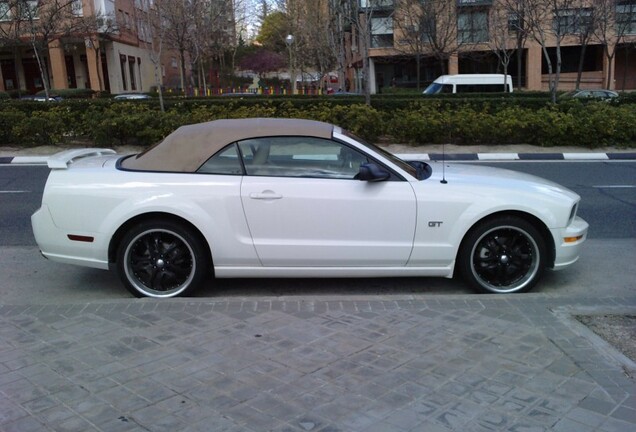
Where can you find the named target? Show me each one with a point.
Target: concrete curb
(42, 160)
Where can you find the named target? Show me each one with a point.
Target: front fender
(446, 213)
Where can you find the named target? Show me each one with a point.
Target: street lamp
(289, 40)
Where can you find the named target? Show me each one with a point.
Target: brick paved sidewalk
(442, 363)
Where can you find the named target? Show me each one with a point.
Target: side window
(300, 157)
(225, 162)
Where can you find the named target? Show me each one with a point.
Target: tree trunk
(558, 72)
(579, 72)
(519, 60)
(159, 85)
(97, 61)
(550, 75)
(183, 71)
(43, 72)
(505, 73)
(418, 62)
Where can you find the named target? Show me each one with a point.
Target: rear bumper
(55, 244)
(567, 252)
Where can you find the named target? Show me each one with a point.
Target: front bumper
(567, 252)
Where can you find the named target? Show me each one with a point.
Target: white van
(469, 83)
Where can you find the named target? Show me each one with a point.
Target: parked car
(590, 94)
(42, 98)
(132, 96)
(298, 198)
(470, 83)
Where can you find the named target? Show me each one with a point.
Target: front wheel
(503, 255)
(161, 259)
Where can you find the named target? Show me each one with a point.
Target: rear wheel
(161, 259)
(503, 255)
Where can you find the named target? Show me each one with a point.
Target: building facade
(595, 41)
(105, 49)
(104, 45)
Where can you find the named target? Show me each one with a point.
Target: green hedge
(403, 120)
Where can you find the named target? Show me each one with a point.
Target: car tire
(505, 254)
(162, 259)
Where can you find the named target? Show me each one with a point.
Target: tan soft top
(188, 147)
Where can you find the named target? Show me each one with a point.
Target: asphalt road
(608, 191)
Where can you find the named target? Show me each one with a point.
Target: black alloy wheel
(161, 259)
(503, 255)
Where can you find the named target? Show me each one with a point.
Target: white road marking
(14, 192)
(615, 186)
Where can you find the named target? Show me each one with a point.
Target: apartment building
(470, 36)
(109, 53)
(108, 46)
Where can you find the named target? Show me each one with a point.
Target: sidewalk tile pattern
(438, 364)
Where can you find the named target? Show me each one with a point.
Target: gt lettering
(435, 224)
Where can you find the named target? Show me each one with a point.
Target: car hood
(498, 178)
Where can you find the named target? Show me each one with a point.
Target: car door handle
(266, 195)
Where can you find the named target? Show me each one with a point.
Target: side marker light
(80, 238)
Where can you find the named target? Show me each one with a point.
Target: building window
(377, 4)
(77, 8)
(573, 21)
(122, 61)
(515, 23)
(141, 87)
(28, 9)
(5, 11)
(472, 26)
(131, 69)
(626, 17)
(381, 32)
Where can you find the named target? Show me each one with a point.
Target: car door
(305, 209)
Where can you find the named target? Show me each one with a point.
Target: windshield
(390, 156)
(432, 89)
(436, 88)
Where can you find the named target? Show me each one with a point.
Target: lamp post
(289, 40)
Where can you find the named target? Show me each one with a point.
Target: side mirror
(372, 173)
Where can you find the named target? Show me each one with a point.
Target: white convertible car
(297, 198)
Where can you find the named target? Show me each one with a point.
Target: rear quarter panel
(98, 201)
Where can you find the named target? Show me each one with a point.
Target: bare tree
(614, 21)
(500, 35)
(10, 31)
(586, 23)
(550, 21)
(517, 27)
(414, 33)
(315, 29)
(440, 28)
(210, 36)
(44, 23)
(155, 30)
(340, 13)
(178, 16)
(95, 29)
(363, 14)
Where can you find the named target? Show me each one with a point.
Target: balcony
(461, 3)
(378, 5)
